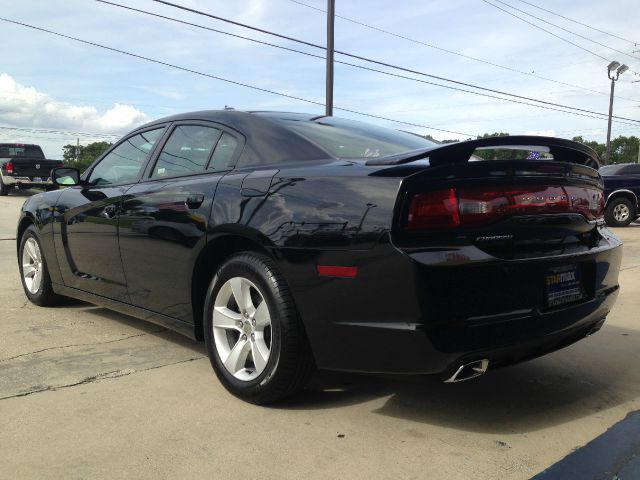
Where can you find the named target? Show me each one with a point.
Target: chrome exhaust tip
(467, 371)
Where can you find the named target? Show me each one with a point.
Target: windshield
(19, 150)
(352, 139)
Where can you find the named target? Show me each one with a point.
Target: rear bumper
(402, 316)
(25, 181)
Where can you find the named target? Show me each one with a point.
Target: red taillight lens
(437, 209)
(477, 206)
(9, 167)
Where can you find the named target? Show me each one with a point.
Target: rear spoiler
(460, 152)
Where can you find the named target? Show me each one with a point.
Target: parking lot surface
(89, 393)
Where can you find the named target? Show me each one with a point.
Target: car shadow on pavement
(584, 379)
(143, 327)
(588, 377)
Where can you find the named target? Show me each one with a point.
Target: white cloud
(23, 106)
(541, 133)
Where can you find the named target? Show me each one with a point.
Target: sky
(54, 84)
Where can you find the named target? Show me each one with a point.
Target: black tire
(4, 190)
(44, 296)
(617, 203)
(290, 363)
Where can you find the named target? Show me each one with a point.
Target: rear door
(164, 218)
(87, 235)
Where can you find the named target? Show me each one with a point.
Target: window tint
(352, 139)
(223, 154)
(186, 151)
(123, 163)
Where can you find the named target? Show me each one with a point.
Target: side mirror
(65, 176)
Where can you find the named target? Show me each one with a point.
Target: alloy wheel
(32, 265)
(242, 328)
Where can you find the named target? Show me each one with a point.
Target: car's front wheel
(620, 212)
(33, 270)
(254, 337)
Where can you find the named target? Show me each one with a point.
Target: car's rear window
(607, 170)
(353, 139)
(19, 150)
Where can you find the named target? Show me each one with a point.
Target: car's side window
(122, 165)
(631, 170)
(224, 152)
(187, 151)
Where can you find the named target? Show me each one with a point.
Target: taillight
(9, 167)
(60, 165)
(477, 206)
(437, 209)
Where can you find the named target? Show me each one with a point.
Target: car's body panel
(160, 238)
(419, 303)
(86, 240)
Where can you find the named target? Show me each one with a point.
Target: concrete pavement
(88, 393)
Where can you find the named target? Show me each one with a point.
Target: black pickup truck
(23, 166)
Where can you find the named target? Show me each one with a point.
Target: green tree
(82, 156)
(623, 149)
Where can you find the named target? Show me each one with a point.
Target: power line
(388, 65)
(234, 82)
(549, 32)
(453, 52)
(566, 30)
(319, 103)
(577, 22)
(362, 67)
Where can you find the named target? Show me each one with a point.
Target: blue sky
(53, 83)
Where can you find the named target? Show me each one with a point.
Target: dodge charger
(290, 242)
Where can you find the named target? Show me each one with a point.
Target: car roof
(234, 118)
(263, 131)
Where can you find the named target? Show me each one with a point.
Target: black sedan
(289, 242)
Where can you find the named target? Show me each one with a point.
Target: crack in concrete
(98, 377)
(82, 345)
(629, 268)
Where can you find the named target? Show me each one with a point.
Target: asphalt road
(88, 393)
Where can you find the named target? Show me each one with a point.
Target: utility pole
(77, 149)
(614, 70)
(331, 17)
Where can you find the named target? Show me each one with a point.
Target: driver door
(87, 237)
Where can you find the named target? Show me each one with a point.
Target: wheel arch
(623, 193)
(216, 251)
(23, 224)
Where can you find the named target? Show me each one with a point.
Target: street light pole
(608, 154)
(614, 70)
(331, 17)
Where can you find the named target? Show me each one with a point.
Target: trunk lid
(509, 209)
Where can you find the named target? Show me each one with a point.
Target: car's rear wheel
(254, 337)
(620, 212)
(34, 273)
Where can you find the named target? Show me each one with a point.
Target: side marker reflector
(337, 271)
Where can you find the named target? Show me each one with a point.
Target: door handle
(109, 211)
(194, 201)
